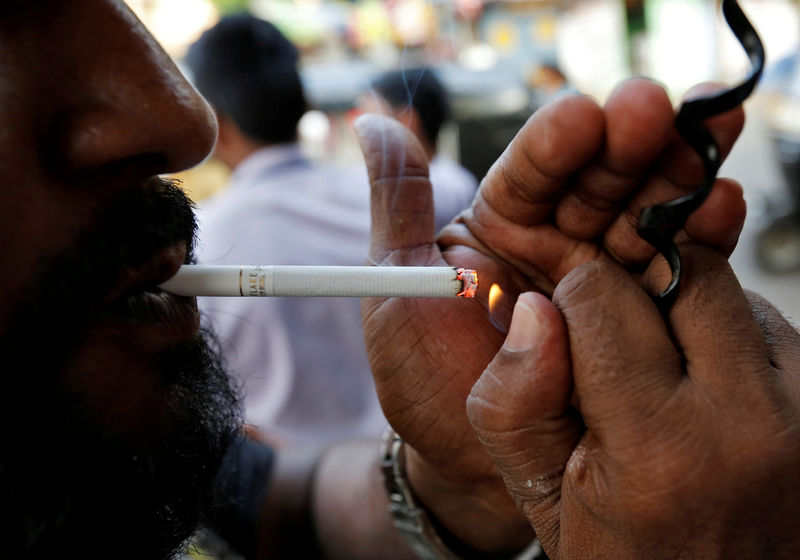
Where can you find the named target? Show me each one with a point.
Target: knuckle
(588, 282)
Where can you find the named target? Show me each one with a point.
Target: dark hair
(248, 71)
(421, 89)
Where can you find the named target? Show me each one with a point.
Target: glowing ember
(495, 293)
(469, 282)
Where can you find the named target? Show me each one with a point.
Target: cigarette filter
(322, 281)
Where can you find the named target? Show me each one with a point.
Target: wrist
(475, 519)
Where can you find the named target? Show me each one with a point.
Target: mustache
(127, 233)
(69, 283)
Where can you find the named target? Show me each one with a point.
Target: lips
(136, 299)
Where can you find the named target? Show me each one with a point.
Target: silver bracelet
(409, 518)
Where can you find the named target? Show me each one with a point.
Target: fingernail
(526, 328)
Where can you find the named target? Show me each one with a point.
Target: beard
(67, 480)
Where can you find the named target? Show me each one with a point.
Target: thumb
(520, 410)
(401, 197)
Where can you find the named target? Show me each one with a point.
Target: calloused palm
(568, 189)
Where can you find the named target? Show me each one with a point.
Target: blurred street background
(501, 60)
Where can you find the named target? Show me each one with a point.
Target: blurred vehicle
(778, 244)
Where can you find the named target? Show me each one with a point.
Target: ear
(226, 130)
(410, 118)
(230, 148)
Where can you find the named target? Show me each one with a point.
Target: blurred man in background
(300, 361)
(417, 98)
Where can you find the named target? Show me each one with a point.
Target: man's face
(113, 408)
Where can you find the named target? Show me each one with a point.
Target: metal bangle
(412, 520)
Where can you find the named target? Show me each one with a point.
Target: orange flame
(495, 293)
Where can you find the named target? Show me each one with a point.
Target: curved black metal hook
(658, 224)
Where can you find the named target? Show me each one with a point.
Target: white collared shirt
(453, 187)
(301, 361)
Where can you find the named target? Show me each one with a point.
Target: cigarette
(322, 281)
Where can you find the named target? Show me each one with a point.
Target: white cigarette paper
(322, 281)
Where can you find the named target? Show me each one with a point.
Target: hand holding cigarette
(561, 195)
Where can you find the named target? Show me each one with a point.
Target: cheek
(38, 219)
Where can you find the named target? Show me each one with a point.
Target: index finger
(524, 184)
(639, 119)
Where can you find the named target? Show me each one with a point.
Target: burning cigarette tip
(469, 282)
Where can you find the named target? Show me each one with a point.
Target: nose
(122, 98)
